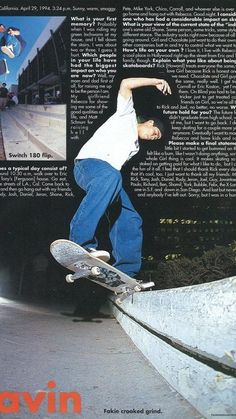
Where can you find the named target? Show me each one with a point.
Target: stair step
(27, 141)
(42, 117)
(53, 109)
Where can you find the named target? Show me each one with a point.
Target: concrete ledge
(189, 335)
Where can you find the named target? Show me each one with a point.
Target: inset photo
(33, 71)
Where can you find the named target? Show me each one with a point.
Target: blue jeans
(103, 186)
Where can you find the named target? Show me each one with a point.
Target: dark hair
(157, 122)
(13, 28)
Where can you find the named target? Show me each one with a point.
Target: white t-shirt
(116, 141)
(15, 99)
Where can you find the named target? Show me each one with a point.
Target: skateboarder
(11, 43)
(97, 172)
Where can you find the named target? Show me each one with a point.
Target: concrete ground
(93, 357)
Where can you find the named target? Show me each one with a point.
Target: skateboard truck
(94, 271)
(131, 291)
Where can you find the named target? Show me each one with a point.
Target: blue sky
(30, 27)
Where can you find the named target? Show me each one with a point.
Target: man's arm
(127, 85)
(13, 31)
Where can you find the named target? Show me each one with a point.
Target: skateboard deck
(3, 67)
(83, 264)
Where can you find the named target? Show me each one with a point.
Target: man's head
(4, 84)
(150, 128)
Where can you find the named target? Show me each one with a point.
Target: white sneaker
(8, 51)
(100, 254)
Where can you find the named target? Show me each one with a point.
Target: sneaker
(8, 51)
(100, 254)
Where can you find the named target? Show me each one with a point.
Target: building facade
(43, 77)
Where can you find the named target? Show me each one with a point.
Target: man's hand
(163, 86)
(13, 31)
(127, 85)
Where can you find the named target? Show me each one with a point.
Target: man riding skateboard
(11, 45)
(97, 172)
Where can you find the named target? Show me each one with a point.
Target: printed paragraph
(34, 181)
(93, 67)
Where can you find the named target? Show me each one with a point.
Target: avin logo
(56, 402)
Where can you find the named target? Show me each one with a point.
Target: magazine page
(117, 204)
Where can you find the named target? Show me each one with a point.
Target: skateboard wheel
(137, 288)
(95, 271)
(69, 279)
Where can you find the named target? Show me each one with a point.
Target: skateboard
(3, 67)
(83, 264)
